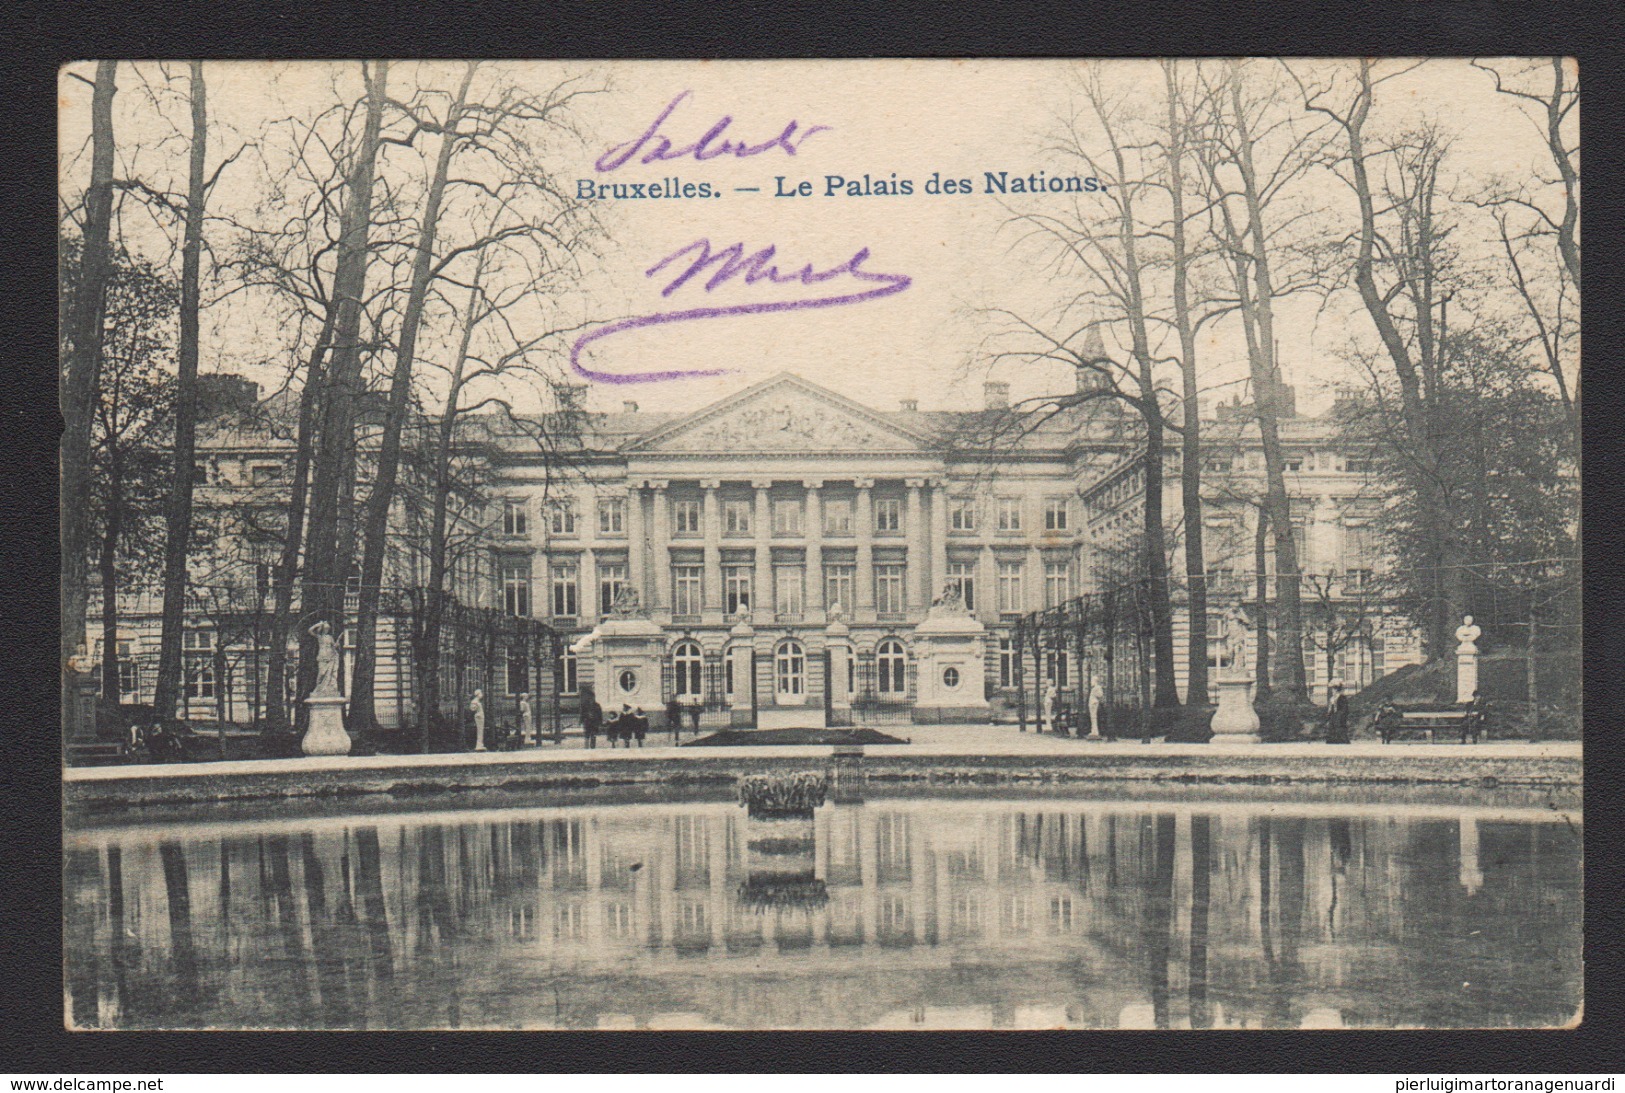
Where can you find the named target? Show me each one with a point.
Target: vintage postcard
(821, 545)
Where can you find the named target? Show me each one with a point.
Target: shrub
(1183, 724)
(782, 794)
(1281, 719)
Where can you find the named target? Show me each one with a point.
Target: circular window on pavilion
(950, 678)
(628, 680)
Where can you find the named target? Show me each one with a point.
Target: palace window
(1009, 514)
(612, 516)
(566, 577)
(736, 588)
(1218, 465)
(686, 661)
(838, 517)
(1057, 514)
(790, 668)
(685, 589)
(1359, 553)
(1356, 464)
(890, 664)
(518, 673)
(129, 672)
(1057, 583)
(736, 518)
(1007, 661)
(889, 589)
(685, 517)
(962, 579)
(888, 514)
(265, 474)
(516, 586)
(515, 518)
(787, 517)
(569, 680)
(838, 587)
(1056, 663)
(1292, 464)
(611, 580)
(562, 517)
(962, 514)
(1218, 650)
(1010, 592)
(197, 646)
(787, 589)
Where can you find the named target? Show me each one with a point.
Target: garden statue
(476, 706)
(1235, 640)
(527, 721)
(1467, 660)
(327, 661)
(1097, 696)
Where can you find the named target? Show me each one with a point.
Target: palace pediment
(783, 414)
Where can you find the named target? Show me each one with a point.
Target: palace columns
(919, 576)
(712, 583)
(939, 541)
(987, 585)
(863, 576)
(814, 568)
(762, 597)
(637, 543)
(1034, 580)
(661, 546)
(589, 608)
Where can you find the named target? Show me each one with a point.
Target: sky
(963, 256)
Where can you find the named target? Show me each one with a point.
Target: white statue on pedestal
(476, 706)
(1467, 634)
(1235, 640)
(527, 720)
(1467, 660)
(1097, 696)
(327, 661)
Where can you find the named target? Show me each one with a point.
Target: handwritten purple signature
(660, 146)
(730, 263)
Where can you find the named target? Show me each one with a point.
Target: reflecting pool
(892, 914)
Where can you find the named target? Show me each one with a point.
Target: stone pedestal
(837, 639)
(948, 650)
(742, 650)
(1467, 660)
(1235, 721)
(326, 735)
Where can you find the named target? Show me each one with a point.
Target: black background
(39, 37)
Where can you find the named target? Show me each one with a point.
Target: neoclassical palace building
(803, 514)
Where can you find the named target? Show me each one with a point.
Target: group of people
(628, 724)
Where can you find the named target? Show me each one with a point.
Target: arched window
(686, 660)
(889, 662)
(790, 668)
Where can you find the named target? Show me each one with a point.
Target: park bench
(95, 753)
(1430, 718)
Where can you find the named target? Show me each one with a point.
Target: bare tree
(1245, 129)
(178, 511)
(82, 338)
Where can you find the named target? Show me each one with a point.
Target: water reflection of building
(985, 915)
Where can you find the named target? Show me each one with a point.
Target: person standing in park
(1337, 715)
(592, 717)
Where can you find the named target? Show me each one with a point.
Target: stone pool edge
(103, 789)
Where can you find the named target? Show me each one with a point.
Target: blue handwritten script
(656, 147)
(731, 264)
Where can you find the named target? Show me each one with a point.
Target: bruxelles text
(992, 182)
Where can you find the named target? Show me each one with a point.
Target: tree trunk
(1266, 379)
(328, 551)
(1261, 590)
(81, 372)
(178, 510)
(276, 684)
(1190, 474)
(375, 528)
(109, 573)
(427, 653)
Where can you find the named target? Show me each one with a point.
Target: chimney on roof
(995, 395)
(629, 407)
(909, 406)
